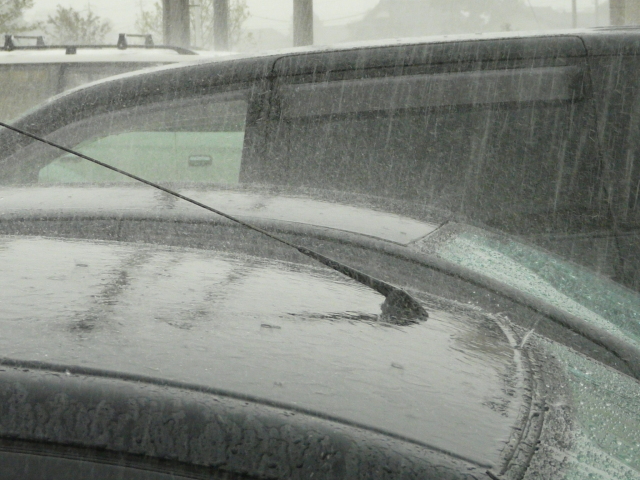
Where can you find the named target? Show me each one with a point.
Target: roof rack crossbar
(9, 43)
(122, 40)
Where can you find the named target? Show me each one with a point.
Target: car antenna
(399, 307)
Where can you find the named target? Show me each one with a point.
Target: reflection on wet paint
(284, 332)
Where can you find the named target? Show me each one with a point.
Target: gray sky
(265, 13)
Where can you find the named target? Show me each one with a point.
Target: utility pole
(175, 22)
(302, 22)
(196, 9)
(221, 24)
(574, 13)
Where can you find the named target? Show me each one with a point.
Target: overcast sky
(265, 13)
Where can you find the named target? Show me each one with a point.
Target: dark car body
(491, 178)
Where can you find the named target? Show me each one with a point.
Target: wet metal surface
(278, 331)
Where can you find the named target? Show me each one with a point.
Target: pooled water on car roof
(280, 332)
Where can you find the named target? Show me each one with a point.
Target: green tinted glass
(567, 286)
(606, 405)
(212, 157)
(178, 141)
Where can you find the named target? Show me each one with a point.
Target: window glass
(177, 141)
(565, 285)
(513, 148)
(607, 411)
(24, 86)
(616, 82)
(617, 86)
(439, 90)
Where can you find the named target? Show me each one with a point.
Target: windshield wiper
(399, 307)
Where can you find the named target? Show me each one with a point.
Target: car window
(566, 285)
(616, 86)
(437, 90)
(175, 141)
(607, 411)
(24, 86)
(617, 83)
(511, 147)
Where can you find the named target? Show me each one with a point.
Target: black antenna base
(400, 308)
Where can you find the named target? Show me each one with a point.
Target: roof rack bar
(179, 50)
(122, 40)
(9, 43)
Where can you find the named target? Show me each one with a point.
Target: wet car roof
(276, 332)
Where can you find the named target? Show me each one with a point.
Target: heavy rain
(320, 239)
